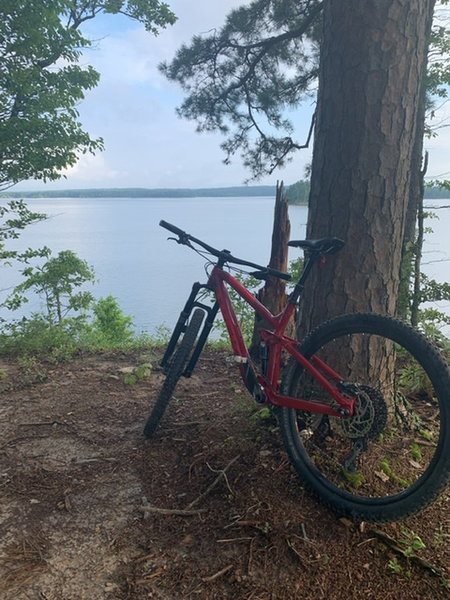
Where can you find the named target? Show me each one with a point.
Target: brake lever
(182, 239)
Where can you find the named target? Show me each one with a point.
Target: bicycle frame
(275, 341)
(265, 386)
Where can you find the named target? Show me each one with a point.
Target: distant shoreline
(296, 193)
(235, 191)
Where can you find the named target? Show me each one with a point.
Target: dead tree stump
(273, 294)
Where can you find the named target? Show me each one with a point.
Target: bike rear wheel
(174, 371)
(392, 457)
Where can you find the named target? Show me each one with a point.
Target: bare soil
(76, 477)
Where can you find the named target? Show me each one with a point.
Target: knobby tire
(393, 458)
(174, 371)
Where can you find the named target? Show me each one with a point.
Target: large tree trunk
(372, 61)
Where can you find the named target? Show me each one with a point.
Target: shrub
(110, 324)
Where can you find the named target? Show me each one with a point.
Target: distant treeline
(436, 192)
(254, 190)
(298, 193)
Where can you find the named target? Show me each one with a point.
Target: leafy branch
(241, 80)
(41, 82)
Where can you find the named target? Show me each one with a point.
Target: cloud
(128, 58)
(91, 169)
(132, 55)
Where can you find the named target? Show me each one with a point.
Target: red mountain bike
(364, 401)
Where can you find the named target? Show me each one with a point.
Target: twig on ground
(67, 502)
(218, 574)
(38, 423)
(147, 508)
(224, 476)
(232, 540)
(145, 503)
(197, 459)
(393, 544)
(188, 423)
(92, 459)
(250, 557)
(257, 524)
(170, 511)
(222, 473)
(24, 438)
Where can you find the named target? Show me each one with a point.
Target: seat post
(310, 260)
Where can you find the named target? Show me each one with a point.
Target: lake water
(131, 256)
(151, 276)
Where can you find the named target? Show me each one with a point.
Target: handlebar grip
(172, 228)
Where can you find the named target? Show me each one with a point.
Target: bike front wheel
(174, 371)
(392, 456)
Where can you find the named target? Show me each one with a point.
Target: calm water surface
(151, 276)
(131, 256)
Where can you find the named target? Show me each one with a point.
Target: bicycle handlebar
(172, 228)
(224, 255)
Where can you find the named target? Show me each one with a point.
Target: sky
(134, 109)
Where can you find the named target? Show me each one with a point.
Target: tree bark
(372, 62)
(273, 294)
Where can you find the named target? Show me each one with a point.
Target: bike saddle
(321, 246)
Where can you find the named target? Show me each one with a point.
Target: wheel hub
(369, 415)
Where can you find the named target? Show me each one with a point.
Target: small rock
(126, 370)
(346, 522)
(381, 475)
(265, 453)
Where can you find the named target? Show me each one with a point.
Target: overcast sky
(133, 109)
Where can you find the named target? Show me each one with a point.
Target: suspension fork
(181, 325)
(211, 312)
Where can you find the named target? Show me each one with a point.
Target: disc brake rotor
(369, 415)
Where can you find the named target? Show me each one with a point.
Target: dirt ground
(76, 476)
